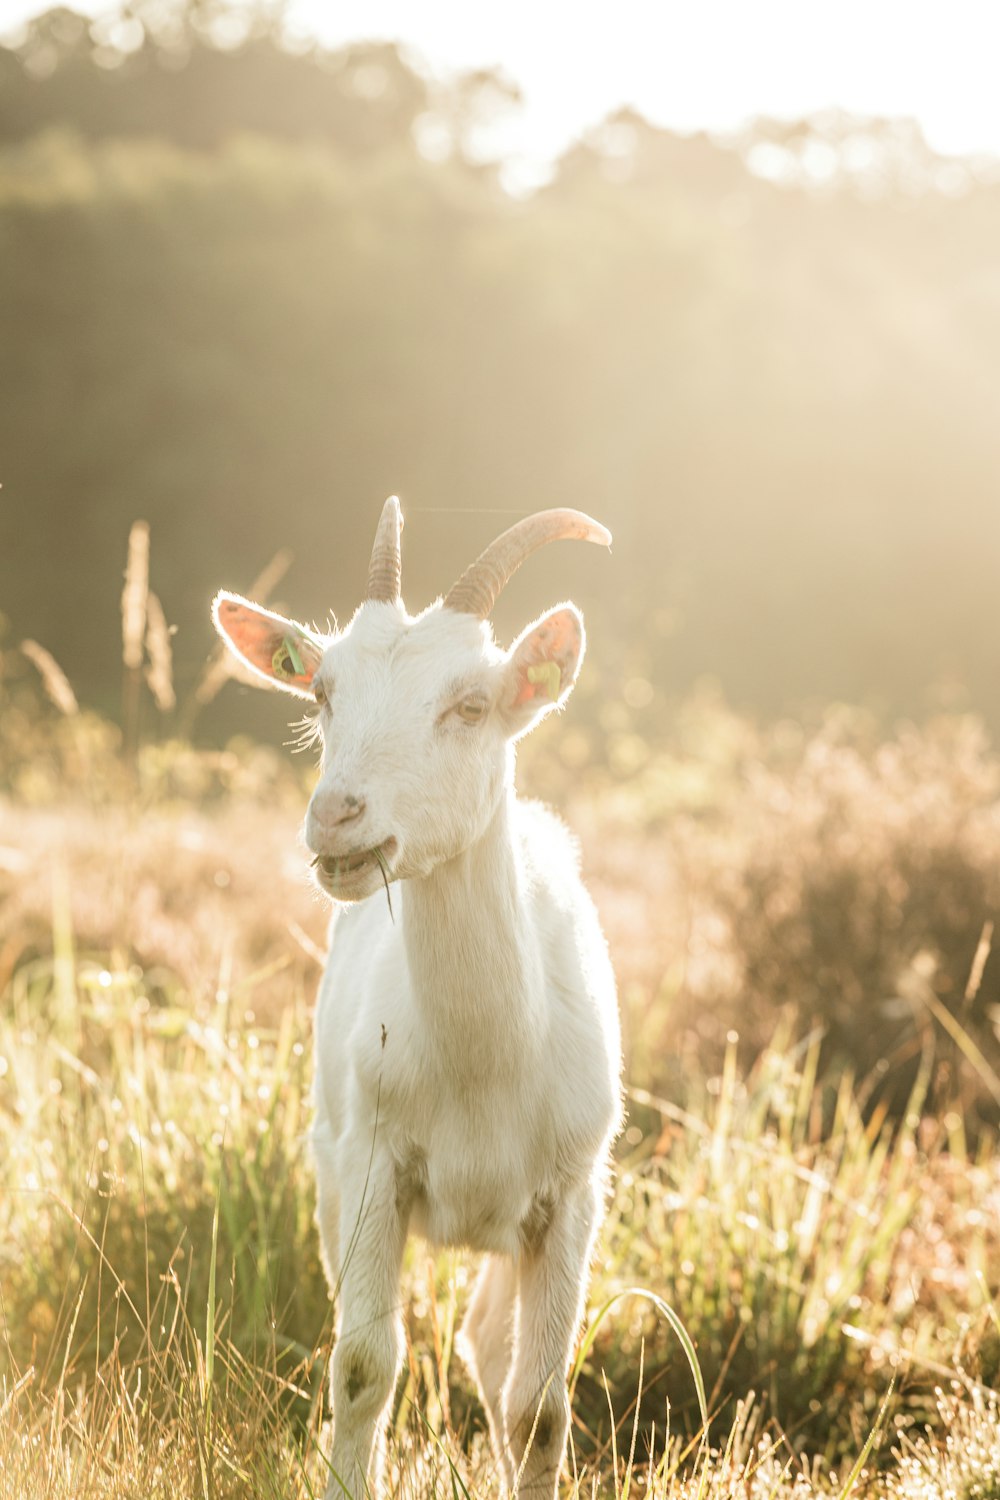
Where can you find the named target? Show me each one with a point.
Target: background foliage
(247, 293)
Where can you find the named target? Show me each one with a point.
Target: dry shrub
(864, 879)
(841, 876)
(197, 896)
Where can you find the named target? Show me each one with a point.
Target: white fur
(467, 1054)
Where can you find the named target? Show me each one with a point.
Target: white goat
(467, 1055)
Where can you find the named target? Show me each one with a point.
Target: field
(253, 282)
(806, 1212)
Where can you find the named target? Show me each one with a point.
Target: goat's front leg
(552, 1284)
(369, 1337)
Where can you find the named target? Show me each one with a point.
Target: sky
(703, 64)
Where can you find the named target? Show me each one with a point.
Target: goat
(467, 1055)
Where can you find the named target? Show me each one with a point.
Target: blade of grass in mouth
(385, 880)
(383, 866)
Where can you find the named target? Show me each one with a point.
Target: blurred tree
(195, 71)
(247, 292)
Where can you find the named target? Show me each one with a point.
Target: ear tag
(286, 661)
(547, 676)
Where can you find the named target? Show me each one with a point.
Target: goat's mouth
(345, 873)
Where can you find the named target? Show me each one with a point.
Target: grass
(166, 1318)
(813, 1254)
(817, 1242)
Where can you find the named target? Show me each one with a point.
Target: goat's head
(417, 714)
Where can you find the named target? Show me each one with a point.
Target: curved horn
(477, 590)
(385, 571)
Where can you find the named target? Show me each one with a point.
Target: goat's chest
(471, 1185)
(474, 1162)
(467, 1099)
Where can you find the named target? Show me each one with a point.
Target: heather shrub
(841, 875)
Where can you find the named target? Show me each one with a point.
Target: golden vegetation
(256, 304)
(820, 1230)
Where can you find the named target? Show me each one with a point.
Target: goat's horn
(385, 571)
(477, 590)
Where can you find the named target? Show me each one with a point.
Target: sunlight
(712, 66)
(723, 278)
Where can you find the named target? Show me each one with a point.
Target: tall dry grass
(808, 1187)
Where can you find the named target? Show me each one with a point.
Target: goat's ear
(542, 666)
(281, 652)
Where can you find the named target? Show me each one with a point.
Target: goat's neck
(469, 959)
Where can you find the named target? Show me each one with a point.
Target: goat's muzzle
(347, 875)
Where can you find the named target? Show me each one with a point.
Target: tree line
(241, 299)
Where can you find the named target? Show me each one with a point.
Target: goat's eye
(320, 694)
(471, 710)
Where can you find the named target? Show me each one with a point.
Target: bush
(849, 878)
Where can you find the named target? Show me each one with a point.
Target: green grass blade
(670, 1316)
(210, 1311)
(870, 1442)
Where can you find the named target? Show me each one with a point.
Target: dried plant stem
(54, 679)
(135, 598)
(160, 670)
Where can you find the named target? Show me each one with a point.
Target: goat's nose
(329, 810)
(342, 808)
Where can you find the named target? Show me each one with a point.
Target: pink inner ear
(253, 635)
(257, 636)
(556, 639)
